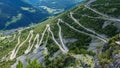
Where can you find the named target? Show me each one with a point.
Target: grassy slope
(76, 47)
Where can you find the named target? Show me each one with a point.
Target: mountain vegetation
(86, 36)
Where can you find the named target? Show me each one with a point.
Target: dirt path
(64, 51)
(30, 40)
(31, 46)
(104, 16)
(12, 38)
(82, 31)
(92, 31)
(60, 36)
(15, 51)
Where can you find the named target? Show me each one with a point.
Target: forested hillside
(87, 36)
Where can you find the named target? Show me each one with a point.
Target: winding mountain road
(101, 18)
(92, 31)
(31, 46)
(13, 51)
(12, 38)
(30, 40)
(43, 34)
(13, 55)
(64, 51)
(105, 16)
(60, 36)
(82, 31)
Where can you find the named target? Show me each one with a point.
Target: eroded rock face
(36, 54)
(116, 62)
(115, 56)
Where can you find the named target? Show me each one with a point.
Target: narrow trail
(13, 51)
(13, 55)
(12, 38)
(64, 51)
(30, 47)
(103, 18)
(92, 31)
(43, 34)
(30, 40)
(60, 36)
(82, 31)
(103, 15)
(97, 12)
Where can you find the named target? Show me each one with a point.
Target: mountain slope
(14, 14)
(79, 37)
(19, 13)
